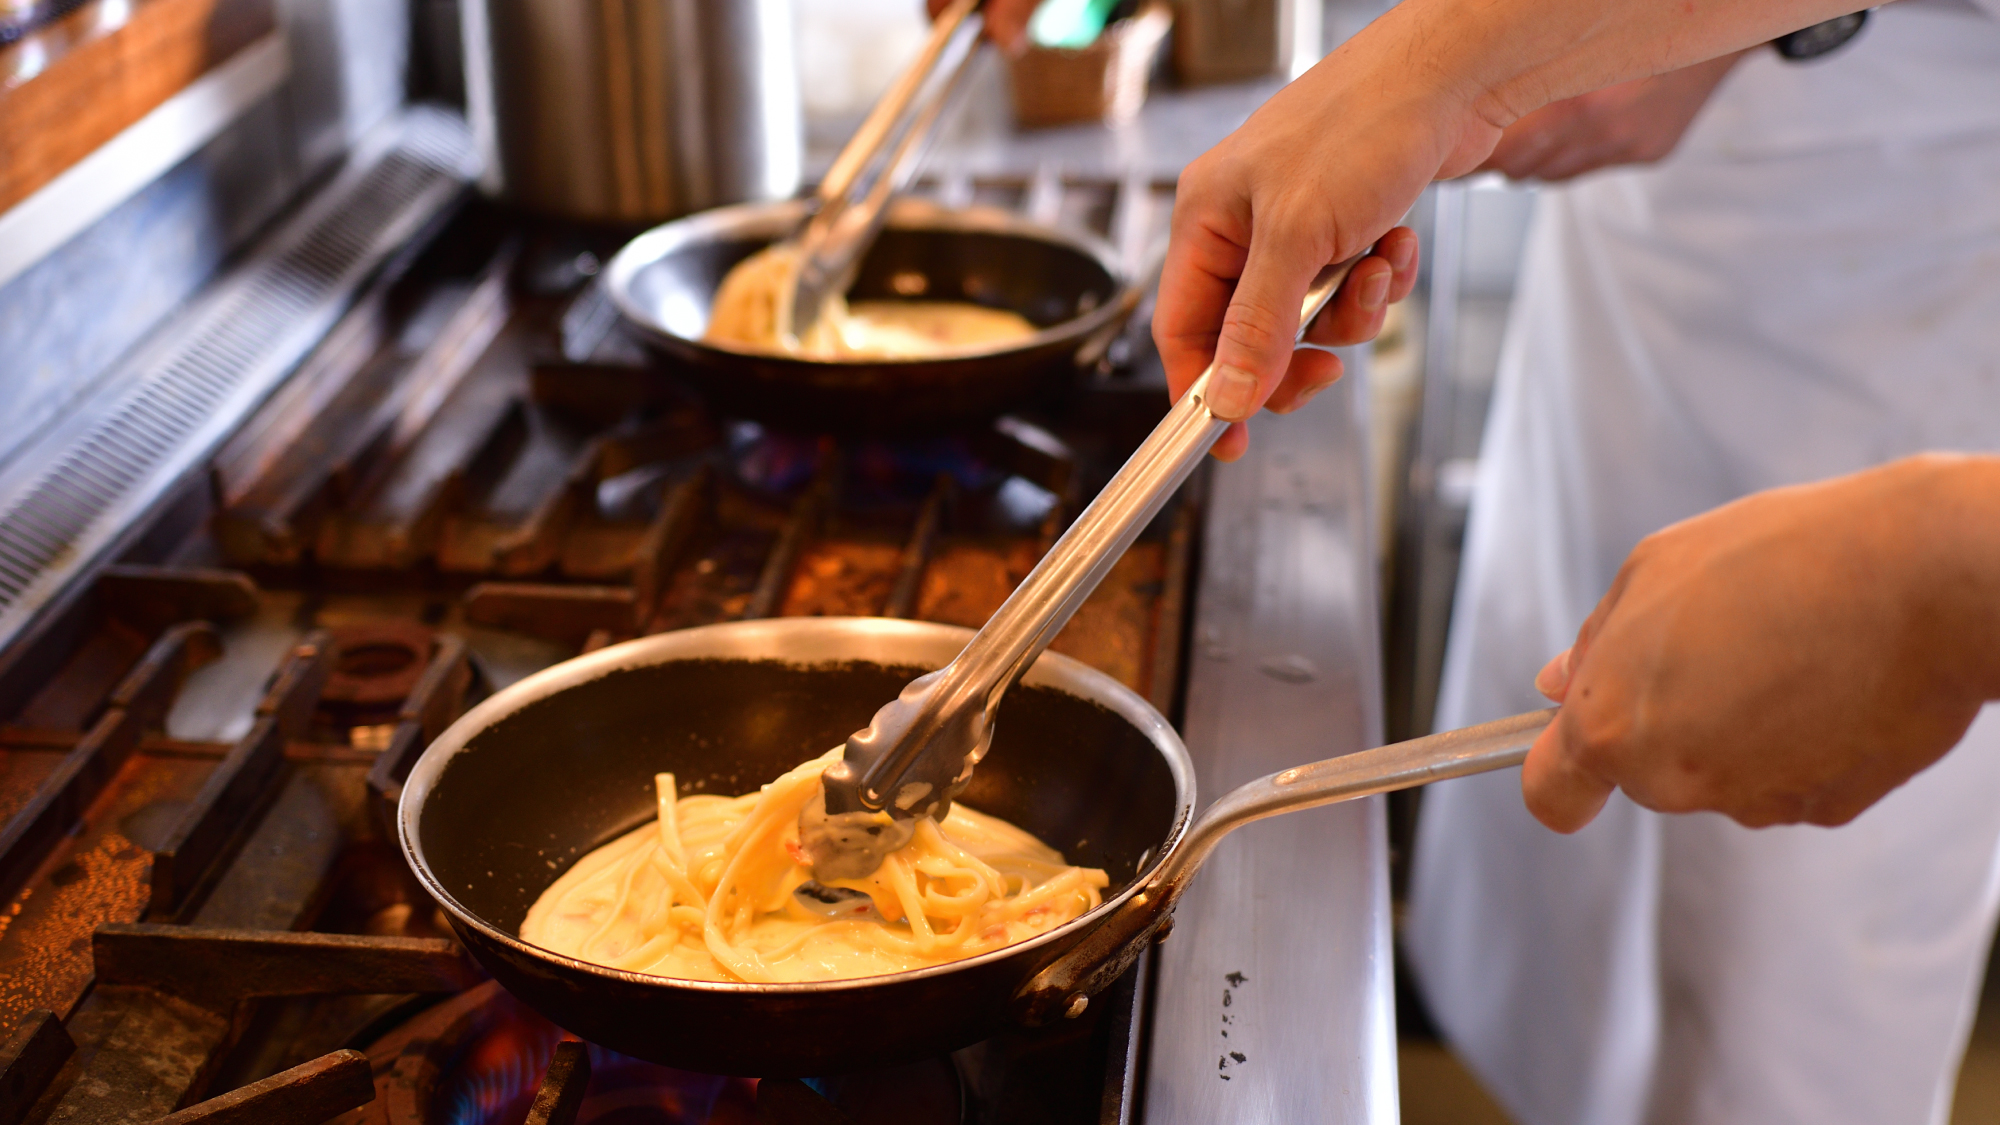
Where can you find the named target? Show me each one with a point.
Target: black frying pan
(1068, 286)
(552, 767)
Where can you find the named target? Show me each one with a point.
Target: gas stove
(475, 476)
(470, 473)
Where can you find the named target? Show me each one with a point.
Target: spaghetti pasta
(705, 893)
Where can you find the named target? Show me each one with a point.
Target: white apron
(1811, 285)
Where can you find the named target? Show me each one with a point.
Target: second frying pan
(664, 281)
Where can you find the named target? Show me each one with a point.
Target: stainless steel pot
(633, 110)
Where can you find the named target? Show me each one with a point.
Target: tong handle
(1023, 626)
(834, 239)
(880, 124)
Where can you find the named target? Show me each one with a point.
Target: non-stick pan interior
(565, 773)
(1045, 281)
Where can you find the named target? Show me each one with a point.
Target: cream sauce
(705, 893)
(753, 301)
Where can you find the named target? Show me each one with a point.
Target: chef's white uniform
(1810, 285)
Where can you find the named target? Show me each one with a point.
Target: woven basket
(1105, 81)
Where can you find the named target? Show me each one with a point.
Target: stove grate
(436, 505)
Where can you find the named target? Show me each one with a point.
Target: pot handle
(1064, 986)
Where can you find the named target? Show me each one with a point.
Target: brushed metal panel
(1275, 997)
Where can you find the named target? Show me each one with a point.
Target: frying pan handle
(1065, 984)
(1063, 987)
(1098, 343)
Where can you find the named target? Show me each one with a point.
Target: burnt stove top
(473, 476)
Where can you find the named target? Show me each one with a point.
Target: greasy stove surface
(476, 475)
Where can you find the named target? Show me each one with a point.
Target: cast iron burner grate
(202, 909)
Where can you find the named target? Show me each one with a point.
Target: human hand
(1637, 122)
(1790, 657)
(1334, 159)
(1006, 20)
(1354, 316)
(1300, 185)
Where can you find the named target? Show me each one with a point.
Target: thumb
(1553, 679)
(1262, 324)
(1558, 790)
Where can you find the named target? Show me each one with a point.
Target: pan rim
(903, 214)
(1050, 670)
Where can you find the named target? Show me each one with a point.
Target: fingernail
(1374, 290)
(1306, 395)
(1232, 394)
(1554, 676)
(1404, 255)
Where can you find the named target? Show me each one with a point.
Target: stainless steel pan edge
(802, 642)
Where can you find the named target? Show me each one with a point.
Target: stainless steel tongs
(892, 141)
(920, 750)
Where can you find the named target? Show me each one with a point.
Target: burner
(904, 471)
(876, 471)
(379, 662)
(905, 1095)
(494, 1083)
(774, 462)
(479, 1058)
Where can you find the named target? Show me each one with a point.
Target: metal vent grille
(185, 391)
